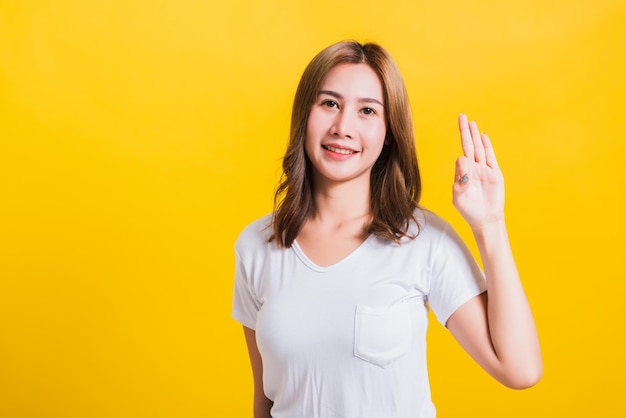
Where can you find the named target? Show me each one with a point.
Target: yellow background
(137, 138)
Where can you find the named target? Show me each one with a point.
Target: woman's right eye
(329, 103)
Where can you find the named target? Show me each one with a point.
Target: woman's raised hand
(478, 191)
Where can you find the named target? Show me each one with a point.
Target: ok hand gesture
(478, 191)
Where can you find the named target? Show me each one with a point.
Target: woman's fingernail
(464, 178)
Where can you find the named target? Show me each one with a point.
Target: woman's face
(346, 127)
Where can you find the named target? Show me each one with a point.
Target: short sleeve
(245, 303)
(455, 275)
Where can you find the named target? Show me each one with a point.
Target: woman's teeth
(339, 150)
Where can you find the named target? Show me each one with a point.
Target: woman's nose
(343, 125)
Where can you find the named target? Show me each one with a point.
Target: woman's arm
(262, 404)
(496, 328)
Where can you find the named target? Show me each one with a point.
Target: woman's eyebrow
(339, 96)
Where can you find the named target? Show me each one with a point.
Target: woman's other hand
(478, 191)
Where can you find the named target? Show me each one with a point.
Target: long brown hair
(395, 184)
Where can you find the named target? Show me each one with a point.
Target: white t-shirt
(349, 340)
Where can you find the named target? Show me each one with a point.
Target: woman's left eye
(368, 111)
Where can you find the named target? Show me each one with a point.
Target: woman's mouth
(343, 151)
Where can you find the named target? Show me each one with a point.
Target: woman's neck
(338, 203)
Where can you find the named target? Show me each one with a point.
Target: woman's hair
(395, 184)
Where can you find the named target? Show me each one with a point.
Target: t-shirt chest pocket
(382, 334)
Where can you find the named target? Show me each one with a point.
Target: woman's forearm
(511, 323)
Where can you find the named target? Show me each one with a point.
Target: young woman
(333, 288)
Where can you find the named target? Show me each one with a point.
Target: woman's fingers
(466, 137)
(463, 170)
(476, 146)
(490, 155)
(479, 149)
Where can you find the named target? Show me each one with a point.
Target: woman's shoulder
(428, 222)
(437, 231)
(256, 234)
